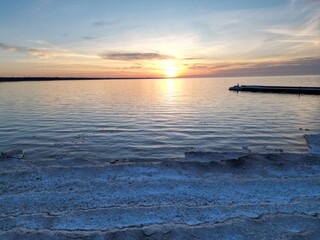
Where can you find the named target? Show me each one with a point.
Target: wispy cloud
(30, 51)
(89, 38)
(105, 23)
(301, 66)
(307, 33)
(136, 66)
(134, 56)
(44, 52)
(294, 2)
(218, 66)
(298, 36)
(192, 58)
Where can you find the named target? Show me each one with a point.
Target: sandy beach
(242, 196)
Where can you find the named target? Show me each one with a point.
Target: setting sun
(170, 70)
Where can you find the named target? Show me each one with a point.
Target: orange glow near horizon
(170, 70)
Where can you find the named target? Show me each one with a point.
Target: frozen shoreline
(253, 196)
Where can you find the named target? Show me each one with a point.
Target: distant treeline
(23, 79)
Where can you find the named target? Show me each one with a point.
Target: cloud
(136, 66)
(293, 2)
(301, 66)
(134, 56)
(218, 66)
(88, 38)
(44, 52)
(192, 58)
(104, 23)
(30, 51)
(296, 33)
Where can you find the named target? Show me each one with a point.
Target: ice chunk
(313, 141)
(200, 156)
(16, 153)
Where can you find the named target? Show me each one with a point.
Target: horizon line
(42, 78)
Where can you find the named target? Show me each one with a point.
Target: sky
(152, 38)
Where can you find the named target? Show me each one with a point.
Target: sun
(170, 70)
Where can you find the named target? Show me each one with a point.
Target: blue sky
(151, 38)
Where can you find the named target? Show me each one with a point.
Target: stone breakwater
(204, 196)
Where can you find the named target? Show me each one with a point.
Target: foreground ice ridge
(212, 196)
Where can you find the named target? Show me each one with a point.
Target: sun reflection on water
(170, 83)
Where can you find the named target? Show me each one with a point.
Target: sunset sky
(152, 38)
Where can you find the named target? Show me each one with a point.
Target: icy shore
(251, 196)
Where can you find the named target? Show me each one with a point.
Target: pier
(276, 89)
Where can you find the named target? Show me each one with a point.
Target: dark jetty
(276, 89)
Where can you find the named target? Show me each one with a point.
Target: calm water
(153, 118)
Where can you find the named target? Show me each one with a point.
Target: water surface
(153, 118)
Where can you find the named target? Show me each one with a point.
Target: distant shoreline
(30, 79)
(26, 79)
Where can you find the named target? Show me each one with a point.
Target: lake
(162, 118)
